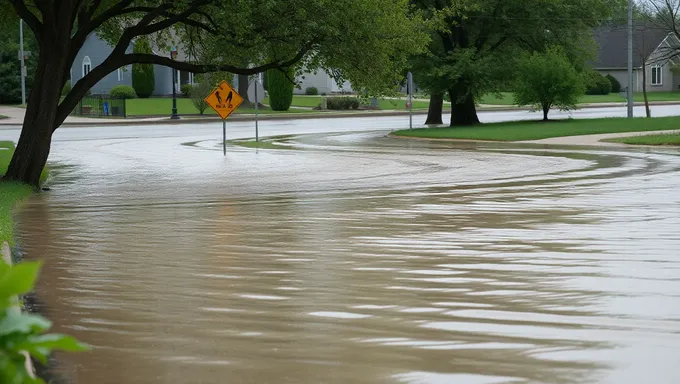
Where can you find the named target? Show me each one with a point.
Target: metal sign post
(410, 100)
(224, 137)
(256, 95)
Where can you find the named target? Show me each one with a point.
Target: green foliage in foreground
(535, 130)
(662, 139)
(22, 331)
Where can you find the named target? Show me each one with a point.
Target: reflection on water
(362, 260)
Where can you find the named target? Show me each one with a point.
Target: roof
(612, 42)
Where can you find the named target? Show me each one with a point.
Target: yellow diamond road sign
(224, 99)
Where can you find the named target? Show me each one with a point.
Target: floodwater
(355, 258)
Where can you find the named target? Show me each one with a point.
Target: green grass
(10, 194)
(507, 99)
(256, 144)
(662, 139)
(313, 101)
(163, 106)
(3, 117)
(535, 130)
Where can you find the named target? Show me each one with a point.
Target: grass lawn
(313, 101)
(10, 194)
(663, 139)
(163, 106)
(507, 99)
(535, 130)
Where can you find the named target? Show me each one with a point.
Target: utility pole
(23, 64)
(630, 59)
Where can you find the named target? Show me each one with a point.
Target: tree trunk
(546, 109)
(33, 148)
(644, 89)
(463, 109)
(243, 88)
(434, 112)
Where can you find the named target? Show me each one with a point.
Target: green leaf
(19, 279)
(52, 341)
(14, 322)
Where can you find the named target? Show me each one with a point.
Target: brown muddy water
(353, 258)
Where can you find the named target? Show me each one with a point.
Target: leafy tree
(10, 66)
(281, 87)
(198, 94)
(475, 44)
(22, 333)
(143, 78)
(364, 41)
(547, 80)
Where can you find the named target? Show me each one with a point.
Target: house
(653, 46)
(96, 50)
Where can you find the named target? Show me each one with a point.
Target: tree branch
(30, 19)
(114, 62)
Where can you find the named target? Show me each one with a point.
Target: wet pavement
(354, 258)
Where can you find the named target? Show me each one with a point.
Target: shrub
(143, 78)
(23, 331)
(280, 88)
(596, 84)
(185, 89)
(342, 103)
(616, 86)
(312, 91)
(122, 92)
(66, 89)
(198, 94)
(548, 80)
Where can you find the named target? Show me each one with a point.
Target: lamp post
(174, 116)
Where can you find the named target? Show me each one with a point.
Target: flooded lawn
(354, 258)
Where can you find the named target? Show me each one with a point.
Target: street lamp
(174, 116)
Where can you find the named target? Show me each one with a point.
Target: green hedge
(280, 88)
(143, 78)
(122, 92)
(616, 86)
(342, 103)
(596, 84)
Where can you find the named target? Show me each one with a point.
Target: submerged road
(349, 257)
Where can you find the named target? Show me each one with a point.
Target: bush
(143, 78)
(122, 92)
(280, 88)
(24, 331)
(312, 91)
(199, 92)
(342, 103)
(548, 80)
(185, 89)
(616, 86)
(66, 89)
(596, 84)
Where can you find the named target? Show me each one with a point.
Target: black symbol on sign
(219, 98)
(229, 97)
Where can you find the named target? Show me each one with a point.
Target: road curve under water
(355, 258)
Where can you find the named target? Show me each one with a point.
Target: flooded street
(356, 258)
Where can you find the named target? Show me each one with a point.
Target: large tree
(365, 41)
(475, 43)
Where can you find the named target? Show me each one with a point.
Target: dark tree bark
(243, 88)
(648, 112)
(463, 109)
(434, 112)
(546, 109)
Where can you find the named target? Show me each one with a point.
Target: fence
(100, 106)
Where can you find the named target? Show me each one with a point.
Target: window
(657, 75)
(120, 74)
(87, 65)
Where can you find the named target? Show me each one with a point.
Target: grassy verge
(10, 194)
(3, 117)
(535, 130)
(262, 144)
(663, 139)
(506, 98)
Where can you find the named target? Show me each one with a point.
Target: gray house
(96, 50)
(653, 46)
